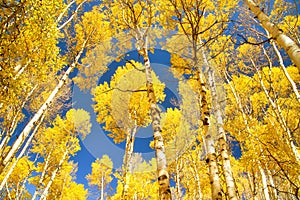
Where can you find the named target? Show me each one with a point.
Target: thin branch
(135, 67)
(253, 43)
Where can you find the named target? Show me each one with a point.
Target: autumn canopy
(230, 131)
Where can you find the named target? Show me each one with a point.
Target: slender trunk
(64, 11)
(53, 175)
(162, 170)
(62, 188)
(102, 187)
(273, 185)
(287, 75)
(178, 164)
(45, 168)
(279, 116)
(7, 191)
(197, 179)
(26, 131)
(20, 69)
(13, 125)
(11, 169)
(211, 159)
(128, 160)
(230, 185)
(283, 40)
(252, 186)
(282, 66)
(72, 16)
(264, 182)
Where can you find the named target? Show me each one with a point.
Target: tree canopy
(228, 128)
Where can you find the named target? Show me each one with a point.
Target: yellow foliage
(123, 102)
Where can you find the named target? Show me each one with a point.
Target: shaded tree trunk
(264, 182)
(211, 158)
(230, 185)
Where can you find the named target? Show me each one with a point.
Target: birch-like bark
(287, 75)
(162, 171)
(13, 125)
(53, 175)
(230, 185)
(11, 169)
(211, 158)
(102, 187)
(7, 191)
(59, 18)
(128, 159)
(273, 185)
(264, 182)
(197, 179)
(277, 34)
(26, 131)
(279, 116)
(72, 16)
(252, 185)
(178, 189)
(45, 168)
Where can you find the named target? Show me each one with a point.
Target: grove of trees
(232, 133)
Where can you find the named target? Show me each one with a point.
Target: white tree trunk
(102, 187)
(26, 131)
(45, 168)
(264, 182)
(128, 159)
(283, 40)
(161, 161)
(11, 169)
(54, 173)
(279, 115)
(230, 185)
(13, 125)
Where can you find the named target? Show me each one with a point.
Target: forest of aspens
(225, 126)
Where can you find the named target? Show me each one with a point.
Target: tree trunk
(14, 124)
(177, 178)
(264, 182)
(230, 185)
(277, 34)
(54, 173)
(45, 168)
(279, 116)
(199, 195)
(211, 158)
(26, 131)
(273, 185)
(287, 75)
(128, 160)
(102, 187)
(162, 171)
(11, 169)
